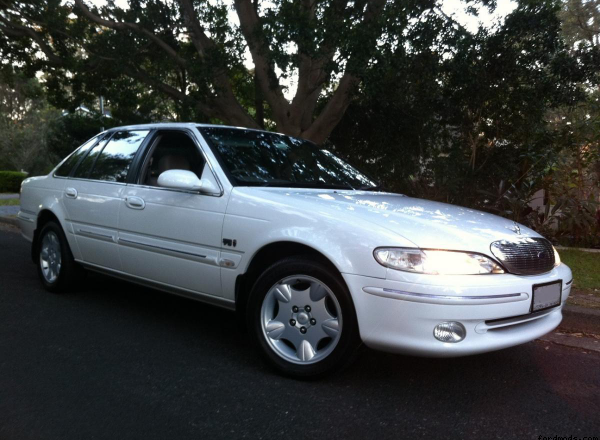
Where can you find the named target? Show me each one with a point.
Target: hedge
(10, 181)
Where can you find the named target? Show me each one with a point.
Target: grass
(585, 267)
(9, 202)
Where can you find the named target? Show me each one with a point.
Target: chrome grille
(525, 256)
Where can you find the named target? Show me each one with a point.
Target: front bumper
(399, 315)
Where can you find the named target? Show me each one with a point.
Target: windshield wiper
(378, 187)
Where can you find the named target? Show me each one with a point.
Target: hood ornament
(515, 228)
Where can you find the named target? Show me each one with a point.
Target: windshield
(258, 158)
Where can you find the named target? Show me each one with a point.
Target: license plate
(546, 295)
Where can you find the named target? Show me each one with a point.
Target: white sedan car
(306, 247)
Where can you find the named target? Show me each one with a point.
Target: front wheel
(302, 317)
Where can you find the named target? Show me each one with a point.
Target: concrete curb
(580, 319)
(9, 220)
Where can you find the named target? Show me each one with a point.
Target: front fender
(346, 241)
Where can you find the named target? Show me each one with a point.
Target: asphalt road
(116, 361)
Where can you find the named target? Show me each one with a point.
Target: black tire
(343, 353)
(70, 272)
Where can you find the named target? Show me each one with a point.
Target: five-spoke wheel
(56, 266)
(50, 257)
(302, 316)
(301, 319)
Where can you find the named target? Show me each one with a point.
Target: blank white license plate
(546, 295)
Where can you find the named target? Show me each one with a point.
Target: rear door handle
(71, 193)
(134, 202)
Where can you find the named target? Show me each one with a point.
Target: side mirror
(186, 180)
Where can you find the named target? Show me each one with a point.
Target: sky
(453, 8)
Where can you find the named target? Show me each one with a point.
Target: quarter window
(115, 159)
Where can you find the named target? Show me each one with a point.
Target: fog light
(450, 332)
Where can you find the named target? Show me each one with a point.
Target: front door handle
(134, 202)
(71, 193)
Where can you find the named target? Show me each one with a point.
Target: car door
(92, 196)
(172, 237)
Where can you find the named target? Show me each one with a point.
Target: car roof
(178, 125)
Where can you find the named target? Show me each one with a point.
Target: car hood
(425, 223)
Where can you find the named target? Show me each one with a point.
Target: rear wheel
(56, 267)
(302, 317)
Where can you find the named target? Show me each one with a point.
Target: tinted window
(115, 159)
(270, 159)
(83, 170)
(65, 169)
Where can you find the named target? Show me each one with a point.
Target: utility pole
(102, 110)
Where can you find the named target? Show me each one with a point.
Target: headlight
(435, 262)
(556, 257)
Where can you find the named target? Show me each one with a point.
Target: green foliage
(140, 81)
(69, 131)
(581, 21)
(10, 181)
(464, 118)
(24, 119)
(33, 135)
(575, 189)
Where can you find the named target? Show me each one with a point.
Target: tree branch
(228, 105)
(312, 72)
(18, 30)
(264, 70)
(320, 129)
(177, 95)
(331, 115)
(451, 20)
(116, 25)
(201, 42)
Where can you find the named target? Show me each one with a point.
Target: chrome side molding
(446, 299)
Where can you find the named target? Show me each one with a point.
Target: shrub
(10, 181)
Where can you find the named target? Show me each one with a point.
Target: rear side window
(65, 169)
(84, 168)
(114, 161)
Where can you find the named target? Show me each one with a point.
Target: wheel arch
(44, 216)
(268, 255)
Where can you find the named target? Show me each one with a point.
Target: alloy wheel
(50, 257)
(301, 319)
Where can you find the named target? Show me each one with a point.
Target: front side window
(65, 169)
(112, 164)
(258, 158)
(172, 151)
